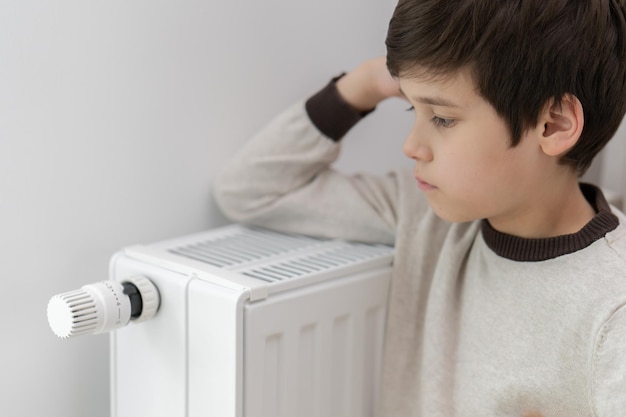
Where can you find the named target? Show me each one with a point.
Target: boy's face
(464, 162)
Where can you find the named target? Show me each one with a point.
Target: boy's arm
(282, 178)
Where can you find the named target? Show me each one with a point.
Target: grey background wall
(612, 165)
(115, 117)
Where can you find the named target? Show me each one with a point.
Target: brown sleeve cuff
(330, 113)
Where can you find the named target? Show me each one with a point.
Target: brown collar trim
(534, 250)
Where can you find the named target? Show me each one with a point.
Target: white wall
(114, 118)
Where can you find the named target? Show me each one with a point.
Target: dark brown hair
(523, 53)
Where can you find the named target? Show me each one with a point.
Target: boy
(509, 289)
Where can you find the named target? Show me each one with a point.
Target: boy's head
(522, 54)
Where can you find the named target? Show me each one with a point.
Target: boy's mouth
(423, 185)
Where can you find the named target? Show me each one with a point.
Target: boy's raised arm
(282, 178)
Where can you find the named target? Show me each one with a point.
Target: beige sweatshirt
(479, 323)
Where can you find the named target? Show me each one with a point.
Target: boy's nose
(417, 149)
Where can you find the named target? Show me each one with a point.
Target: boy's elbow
(240, 199)
(230, 200)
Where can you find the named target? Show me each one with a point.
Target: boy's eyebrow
(433, 101)
(436, 101)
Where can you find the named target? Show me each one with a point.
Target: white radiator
(251, 323)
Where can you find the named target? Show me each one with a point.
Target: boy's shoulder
(616, 238)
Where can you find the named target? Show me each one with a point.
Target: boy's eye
(441, 122)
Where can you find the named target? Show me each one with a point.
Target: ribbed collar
(534, 250)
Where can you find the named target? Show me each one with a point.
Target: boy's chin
(453, 216)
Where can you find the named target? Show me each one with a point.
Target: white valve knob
(102, 307)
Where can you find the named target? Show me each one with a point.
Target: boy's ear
(562, 124)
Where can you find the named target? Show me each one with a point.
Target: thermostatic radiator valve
(102, 307)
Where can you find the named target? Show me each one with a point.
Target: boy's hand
(368, 84)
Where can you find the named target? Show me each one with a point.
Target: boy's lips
(423, 185)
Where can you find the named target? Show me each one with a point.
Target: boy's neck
(555, 210)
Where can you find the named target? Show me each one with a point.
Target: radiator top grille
(243, 246)
(272, 256)
(318, 262)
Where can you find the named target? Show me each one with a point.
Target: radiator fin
(307, 391)
(273, 382)
(340, 366)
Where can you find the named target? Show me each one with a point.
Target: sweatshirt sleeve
(283, 179)
(609, 367)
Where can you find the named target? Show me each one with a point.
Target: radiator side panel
(149, 359)
(215, 350)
